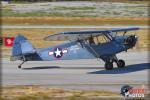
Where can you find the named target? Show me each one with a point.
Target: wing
(81, 35)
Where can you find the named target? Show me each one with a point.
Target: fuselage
(83, 50)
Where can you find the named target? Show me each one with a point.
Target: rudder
(21, 47)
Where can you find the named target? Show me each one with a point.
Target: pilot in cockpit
(91, 41)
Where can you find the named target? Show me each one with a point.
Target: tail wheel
(19, 67)
(121, 63)
(108, 65)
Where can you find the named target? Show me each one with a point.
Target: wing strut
(97, 55)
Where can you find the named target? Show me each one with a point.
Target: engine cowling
(131, 40)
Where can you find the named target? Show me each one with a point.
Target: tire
(121, 63)
(19, 67)
(108, 66)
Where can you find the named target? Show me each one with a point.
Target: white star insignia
(58, 52)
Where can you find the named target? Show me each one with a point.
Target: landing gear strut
(21, 64)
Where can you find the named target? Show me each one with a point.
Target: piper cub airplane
(103, 44)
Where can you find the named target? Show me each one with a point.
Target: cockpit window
(97, 40)
(102, 39)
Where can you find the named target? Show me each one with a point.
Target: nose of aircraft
(131, 40)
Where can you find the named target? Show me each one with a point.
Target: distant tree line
(65, 0)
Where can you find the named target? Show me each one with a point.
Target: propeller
(131, 40)
(138, 46)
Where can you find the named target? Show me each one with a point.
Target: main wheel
(121, 63)
(19, 67)
(108, 65)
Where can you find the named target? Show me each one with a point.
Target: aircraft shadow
(41, 67)
(57, 67)
(127, 69)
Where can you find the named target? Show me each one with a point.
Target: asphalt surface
(79, 74)
(51, 26)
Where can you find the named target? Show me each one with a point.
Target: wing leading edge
(78, 35)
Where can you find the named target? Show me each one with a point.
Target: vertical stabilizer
(21, 47)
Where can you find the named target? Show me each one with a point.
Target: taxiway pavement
(79, 74)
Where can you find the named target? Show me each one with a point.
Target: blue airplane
(89, 44)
